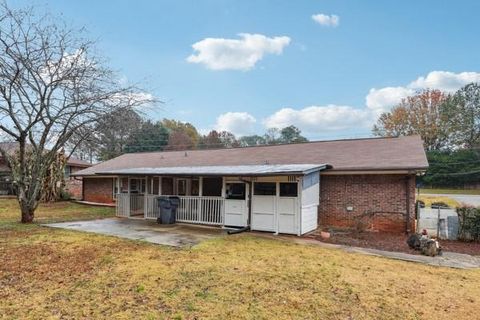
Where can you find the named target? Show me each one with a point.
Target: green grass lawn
(449, 191)
(59, 274)
(51, 212)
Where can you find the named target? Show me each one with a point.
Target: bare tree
(52, 85)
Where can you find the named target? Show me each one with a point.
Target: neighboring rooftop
(10, 146)
(74, 162)
(403, 153)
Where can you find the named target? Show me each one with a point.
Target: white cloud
(384, 99)
(239, 123)
(236, 54)
(445, 81)
(317, 119)
(326, 20)
(379, 99)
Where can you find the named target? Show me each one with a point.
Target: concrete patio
(177, 235)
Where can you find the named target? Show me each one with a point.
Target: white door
(287, 217)
(288, 208)
(236, 213)
(263, 213)
(264, 202)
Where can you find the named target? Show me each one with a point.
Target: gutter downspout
(407, 203)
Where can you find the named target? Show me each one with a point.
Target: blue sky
(331, 79)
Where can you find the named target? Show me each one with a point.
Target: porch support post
(145, 199)
(160, 185)
(276, 219)
(298, 205)
(224, 195)
(129, 197)
(223, 188)
(200, 200)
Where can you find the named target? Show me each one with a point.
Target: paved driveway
(473, 200)
(171, 235)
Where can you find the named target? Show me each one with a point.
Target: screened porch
(201, 198)
(273, 198)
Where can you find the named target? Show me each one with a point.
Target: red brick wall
(98, 190)
(74, 188)
(378, 202)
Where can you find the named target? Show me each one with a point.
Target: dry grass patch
(58, 274)
(432, 199)
(450, 191)
(71, 275)
(53, 212)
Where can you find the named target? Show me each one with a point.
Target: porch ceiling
(243, 170)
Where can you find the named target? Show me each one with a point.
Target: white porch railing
(201, 210)
(136, 204)
(192, 209)
(152, 211)
(123, 205)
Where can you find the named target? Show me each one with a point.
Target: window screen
(155, 185)
(134, 186)
(265, 189)
(194, 187)
(289, 189)
(212, 187)
(124, 185)
(236, 191)
(167, 186)
(181, 187)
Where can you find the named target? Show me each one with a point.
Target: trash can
(166, 211)
(174, 202)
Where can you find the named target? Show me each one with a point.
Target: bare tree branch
(52, 86)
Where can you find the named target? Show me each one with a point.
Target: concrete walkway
(97, 204)
(176, 235)
(448, 259)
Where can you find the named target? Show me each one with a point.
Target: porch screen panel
(265, 189)
(167, 186)
(212, 187)
(124, 185)
(194, 187)
(155, 185)
(288, 189)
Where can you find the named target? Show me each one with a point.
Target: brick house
(294, 188)
(73, 184)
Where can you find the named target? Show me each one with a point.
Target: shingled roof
(372, 154)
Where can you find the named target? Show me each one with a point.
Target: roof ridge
(366, 153)
(271, 145)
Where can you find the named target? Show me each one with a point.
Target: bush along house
(291, 188)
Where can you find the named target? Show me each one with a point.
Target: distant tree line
(126, 131)
(449, 125)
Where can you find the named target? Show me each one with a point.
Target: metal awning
(243, 170)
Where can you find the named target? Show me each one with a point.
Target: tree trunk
(27, 214)
(28, 204)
